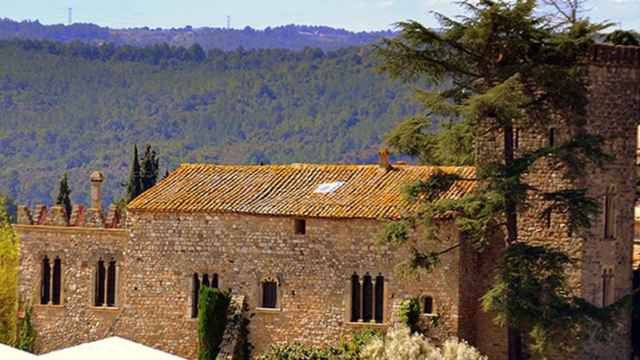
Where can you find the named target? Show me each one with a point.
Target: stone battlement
(615, 55)
(81, 216)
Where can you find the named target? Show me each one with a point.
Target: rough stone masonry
(305, 231)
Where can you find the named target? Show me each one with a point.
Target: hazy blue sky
(350, 14)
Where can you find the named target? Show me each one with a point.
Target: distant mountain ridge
(291, 37)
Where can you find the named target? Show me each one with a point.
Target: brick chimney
(384, 159)
(96, 190)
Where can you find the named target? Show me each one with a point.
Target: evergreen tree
(134, 186)
(150, 168)
(503, 66)
(64, 196)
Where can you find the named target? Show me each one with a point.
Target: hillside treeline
(71, 108)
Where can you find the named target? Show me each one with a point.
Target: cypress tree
(150, 168)
(134, 186)
(64, 195)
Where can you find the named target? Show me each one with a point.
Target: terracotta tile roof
(367, 191)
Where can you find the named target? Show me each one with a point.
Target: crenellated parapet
(81, 216)
(615, 55)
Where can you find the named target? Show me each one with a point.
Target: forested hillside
(293, 37)
(75, 108)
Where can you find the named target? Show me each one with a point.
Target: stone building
(297, 243)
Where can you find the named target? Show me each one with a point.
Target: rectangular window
(45, 282)
(427, 307)
(552, 137)
(300, 226)
(100, 282)
(56, 291)
(269, 294)
(111, 284)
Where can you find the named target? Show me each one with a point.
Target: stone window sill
(49, 306)
(429, 315)
(366, 324)
(263, 310)
(105, 308)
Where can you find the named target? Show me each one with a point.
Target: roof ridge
(318, 165)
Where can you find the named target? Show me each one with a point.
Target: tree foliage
(8, 277)
(242, 106)
(150, 168)
(64, 195)
(134, 185)
(212, 320)
(500, 67)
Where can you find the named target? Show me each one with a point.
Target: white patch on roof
(328, 187)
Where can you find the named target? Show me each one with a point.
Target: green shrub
(349, 349)
(8, 278)
(409, 314)
(27, 339)
(212, 320)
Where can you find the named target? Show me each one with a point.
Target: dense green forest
(73, 108)
(292, 37)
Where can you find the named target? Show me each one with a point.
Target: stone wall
(159, 253)
(75, 320)
(613, 112)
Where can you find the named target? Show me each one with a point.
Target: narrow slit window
(45, 284)
(269, 294)
(215, 282)
(56, 288)
(111, 284)
(552, 137)
(100, 284)
(605, 288)
(609, 215)
(427, 308)
(516, 138)
(355, 298)
(300, 226)
(367, 298)
(205, 280)
(195, 296)
(547, 219)
(379, 299)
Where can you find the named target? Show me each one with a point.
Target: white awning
(7, 352)
(108, 349)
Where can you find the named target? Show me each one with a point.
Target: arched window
(355, 298)
(269, 294)
(56, 290)
(100, 279)
(205, 280)
(45, 284)
(379, 299)
(195, 295)
(111, 284)
(214, 281)
(427, 307)
(367, 298)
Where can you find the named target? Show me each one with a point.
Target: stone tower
(603, 273)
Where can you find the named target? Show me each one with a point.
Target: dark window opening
(214, 281)
(100, 279)
(195, 296)
(547, 219)
(205, 280)
(300, 226)
(609, 216)
(111, 284)
(57, 282)
(379, 299)
(269, 294)
(355, 298)
(45, 285)
(552, 137)
(516, 138)
(367, 298)
(428, 305)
